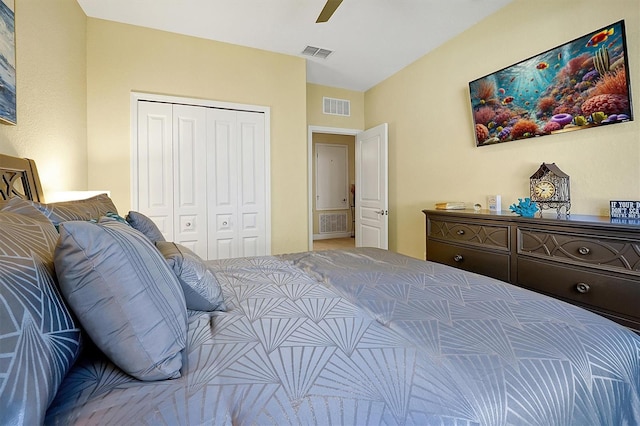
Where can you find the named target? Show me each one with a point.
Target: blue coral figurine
(524, 208)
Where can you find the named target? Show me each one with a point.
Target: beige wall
(76, 73)
(315, 116)
(432, 156)
(51, 92)
(350, 142)
(124, 58)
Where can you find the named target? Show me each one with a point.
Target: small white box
(494, 202)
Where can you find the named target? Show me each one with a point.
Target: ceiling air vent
(334, 106)
(316, 52)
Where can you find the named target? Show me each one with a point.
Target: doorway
(370, 204)
(333, 176)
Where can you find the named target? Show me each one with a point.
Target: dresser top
(549, 218)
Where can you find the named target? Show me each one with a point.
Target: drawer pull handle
(457, 258)
(460, 232)
(584, 250)
(583, 288)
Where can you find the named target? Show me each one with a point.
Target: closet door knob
(460, 232)
(457, 258)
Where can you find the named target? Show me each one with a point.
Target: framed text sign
(624, 209)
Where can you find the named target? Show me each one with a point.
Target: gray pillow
(201, 288)
(39, 340)
(124, 294)
(145, 225)
(90, 208)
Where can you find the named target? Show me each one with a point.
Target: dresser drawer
(473, 233)
(598, 290)
(592, 251)
(494, 265)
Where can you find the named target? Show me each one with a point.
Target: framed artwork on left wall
(7, 63)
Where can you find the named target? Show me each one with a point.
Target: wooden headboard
(19, 178)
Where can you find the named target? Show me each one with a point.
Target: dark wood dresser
(589, 261)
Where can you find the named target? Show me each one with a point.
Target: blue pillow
(90, 208)
(201, 289)
(125, 296)
(39, 340)
(145, 225)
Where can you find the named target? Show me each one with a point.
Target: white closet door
(155, 164)
(190, 177)
(222, 183)
(252, 185)
(237, 184)
(203, 176)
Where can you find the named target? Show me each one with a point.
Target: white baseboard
(332, 235)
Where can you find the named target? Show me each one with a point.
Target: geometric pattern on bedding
(87, 209)
(313, 338)
(38, 337)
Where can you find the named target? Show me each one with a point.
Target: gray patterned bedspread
(367, 336)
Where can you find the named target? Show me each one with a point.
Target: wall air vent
(334, 106)
(316, 52)
(332, 222)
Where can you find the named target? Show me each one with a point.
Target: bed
(361, 336)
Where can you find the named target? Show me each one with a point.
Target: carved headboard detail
(19, 178)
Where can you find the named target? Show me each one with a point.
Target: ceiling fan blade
(328, 10)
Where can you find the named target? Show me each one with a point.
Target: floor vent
(334, 106)
(333, 222)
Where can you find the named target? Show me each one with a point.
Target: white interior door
(222, 183)
(238, 182)
(155, 164)
(332, 177)
(190, 177)
(372, 182)
(253, 185)
(201, 172)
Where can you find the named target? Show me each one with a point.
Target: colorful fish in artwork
(600, 37)
(542, 66)
(501, 91)
(507, 100)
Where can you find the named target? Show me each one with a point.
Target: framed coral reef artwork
(7, 63)
(581, 84)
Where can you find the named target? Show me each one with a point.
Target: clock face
(544, 190)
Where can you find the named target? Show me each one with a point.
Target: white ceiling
(371, 39)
